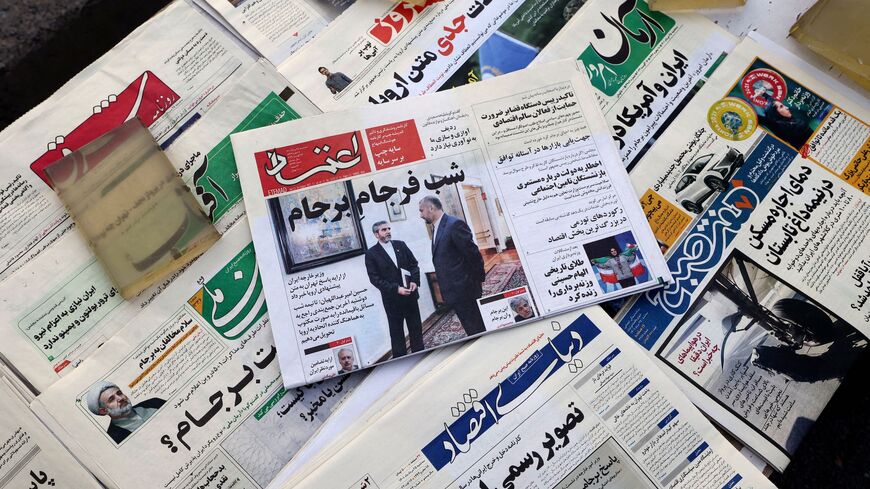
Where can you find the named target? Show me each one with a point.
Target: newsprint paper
(189, 393)
(168, 74)
(456, 214)
(380, 51)
(564, 402)
(30, 456)
(760, 194)
(58, 308)
(278, 28)
(644, 65)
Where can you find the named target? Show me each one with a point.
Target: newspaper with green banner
(189, 392)
(759, 193)
(207, 165)
(644, 65)
(49, 329)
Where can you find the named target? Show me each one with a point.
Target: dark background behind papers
(43, 43)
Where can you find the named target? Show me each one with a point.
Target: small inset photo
(617, 262)
(333, 358)
(345, 359)
(106, 400)
(507, 308)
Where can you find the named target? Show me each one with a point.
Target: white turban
(93, 396)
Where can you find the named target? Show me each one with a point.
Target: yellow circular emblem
(732, 118)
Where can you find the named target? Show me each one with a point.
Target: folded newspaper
(168, 73)
(379, 51)
(641, 80)
(278, 28)
(759, 193)
(189, 392)
(58, 308)
(564, 402)
(503, 201)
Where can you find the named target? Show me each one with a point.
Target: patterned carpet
(503, 276)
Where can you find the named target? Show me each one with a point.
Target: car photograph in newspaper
(758, 195)
(448, 217)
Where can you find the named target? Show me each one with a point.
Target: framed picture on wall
(316, 237)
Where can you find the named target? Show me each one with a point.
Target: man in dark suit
(106, 399)
(393, 269)
(458, 264)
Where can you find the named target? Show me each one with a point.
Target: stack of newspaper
(670, 224)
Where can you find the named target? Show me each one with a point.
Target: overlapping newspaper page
(379, 390)
(189, 392)
(278, 28)
(382, 51)
(645, 65)
(759, 194)
(29, 455)
(565, 402)
(168, 73)
(58, 308)
(503, 201)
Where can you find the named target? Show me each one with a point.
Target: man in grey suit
(458, 264)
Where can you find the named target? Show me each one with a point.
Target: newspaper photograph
(644, 65)
(278, 28)
(446, 217)
(168, 73)
(565, 402)
(190, 392)
(30, 456)
(409, 49)
(758, 194)
(48, 329)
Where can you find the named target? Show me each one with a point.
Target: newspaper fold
(506, 200)
(565, 402)
(30, 456)
(167, 73)
(278, 28)
(759, 192)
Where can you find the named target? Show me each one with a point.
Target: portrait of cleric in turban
(107, 399)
